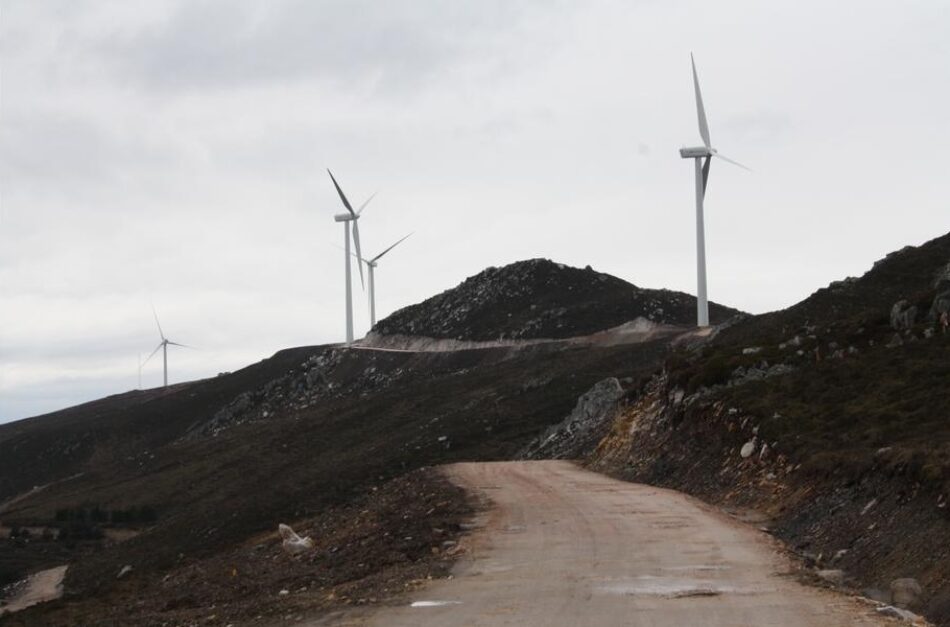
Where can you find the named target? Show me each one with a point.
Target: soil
(375, 549)
(845, 426)
(850, 415)
(212, 492)
(562, 546)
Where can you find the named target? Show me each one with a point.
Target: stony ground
(829, 418)
(211, 492)
(541, 299)
(374, 549)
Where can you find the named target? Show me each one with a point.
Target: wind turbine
(164, 346)
(702, 155)
(371, 266)
(346, 218)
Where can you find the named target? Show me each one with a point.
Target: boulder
(293, 543)
(124, 572)
(833, 576)
(905, 592)
(903, 315)
(747, 449)
(940, 305)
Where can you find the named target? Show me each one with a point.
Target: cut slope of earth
(832, 416)
(541, 299)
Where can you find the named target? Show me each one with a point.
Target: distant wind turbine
(346, 218)
(371, 266)
(703, 154)
(162, 345)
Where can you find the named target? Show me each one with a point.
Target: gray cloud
(362, 43)
(174, 152)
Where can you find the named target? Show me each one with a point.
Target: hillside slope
(831, 417)
(178, 478)
(541, 299)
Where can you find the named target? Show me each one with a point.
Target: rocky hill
(829, 418)
(180, 482)
(541, 299)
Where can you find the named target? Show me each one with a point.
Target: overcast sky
(175, 152)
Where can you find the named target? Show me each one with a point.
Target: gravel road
(563, 546)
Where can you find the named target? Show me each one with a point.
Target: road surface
(40, 587)
(563, 546)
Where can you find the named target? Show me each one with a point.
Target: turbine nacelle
(697, 152)
(345, 217)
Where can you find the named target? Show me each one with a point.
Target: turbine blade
(376, 258)
(359, 253)
(157, 348)
(732, 162)
(706, 174)
(177, 344)
(363, 206)
(346, 203)
(154, 313)
(700, 110)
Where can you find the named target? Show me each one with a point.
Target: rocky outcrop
(583, 428)
(540, 299)
(903, 316)
(328, 374)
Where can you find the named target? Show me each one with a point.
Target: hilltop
(538, 299)
(827, 420)
(177, 481)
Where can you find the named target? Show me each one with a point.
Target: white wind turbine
(164, 346)
(703, 154)
(346, 218)
(371, 266)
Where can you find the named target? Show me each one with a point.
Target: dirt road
(40, 587)
(564, 546)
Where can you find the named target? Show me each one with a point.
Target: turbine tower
(371, 267)
(702, 155)
(164, 346)
(346, 218)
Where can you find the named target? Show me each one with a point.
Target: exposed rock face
(583, 428)
(540, 299)
(903, 315)
(940, 305)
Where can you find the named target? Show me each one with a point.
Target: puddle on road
(699, 567)
(434, 603)
(671, 587)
